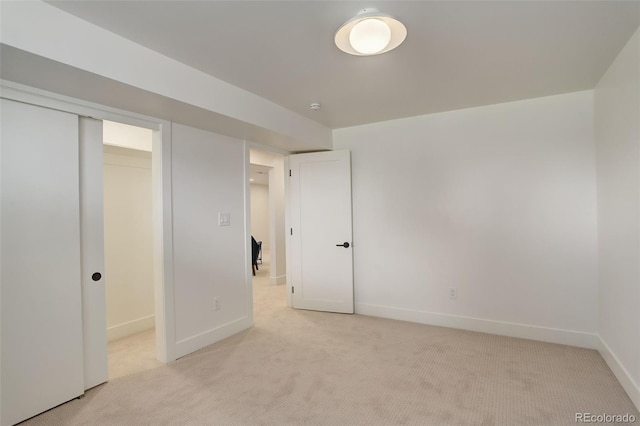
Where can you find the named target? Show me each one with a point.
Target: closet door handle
(96, 276)
(345, 245)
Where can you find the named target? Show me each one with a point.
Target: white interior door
(320, 234)
(94, 317)
(41, 312)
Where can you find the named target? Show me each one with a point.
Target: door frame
(161, 188)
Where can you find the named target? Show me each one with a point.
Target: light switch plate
(224, 219)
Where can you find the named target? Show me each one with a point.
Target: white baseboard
(621, 373)
(282, 279)
(523, 331)
(209, 337)
(132, 327)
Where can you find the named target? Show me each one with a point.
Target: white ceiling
(457, 54)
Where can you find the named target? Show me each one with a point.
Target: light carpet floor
(133, 354)
(311, 368)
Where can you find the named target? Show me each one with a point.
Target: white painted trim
(132, 327)
(628, 384)
(199, 341)
(282, 279)
(161, 181)
(39, 97)
(502, 328)
(248, 249)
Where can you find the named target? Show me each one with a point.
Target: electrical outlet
(216, 304)
(453, 293)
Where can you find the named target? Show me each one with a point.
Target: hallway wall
(210, 260)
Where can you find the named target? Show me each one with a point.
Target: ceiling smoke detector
(314, 106)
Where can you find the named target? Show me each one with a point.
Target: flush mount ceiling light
(370, 32)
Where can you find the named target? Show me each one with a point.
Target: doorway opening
(259, 185)
(128, 242)
(266, 183)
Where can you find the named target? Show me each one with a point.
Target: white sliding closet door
(94, 315)
(41, 312)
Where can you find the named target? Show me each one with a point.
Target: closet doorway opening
(128, 243)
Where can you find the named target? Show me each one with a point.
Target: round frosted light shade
(370, 36)
(349, 35)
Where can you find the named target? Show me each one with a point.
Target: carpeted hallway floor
(311, 368)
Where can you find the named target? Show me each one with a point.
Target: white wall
(128, 241)
(617, 129)
(497, 201)
(277, 252)
(260, 214)
(210, 261)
